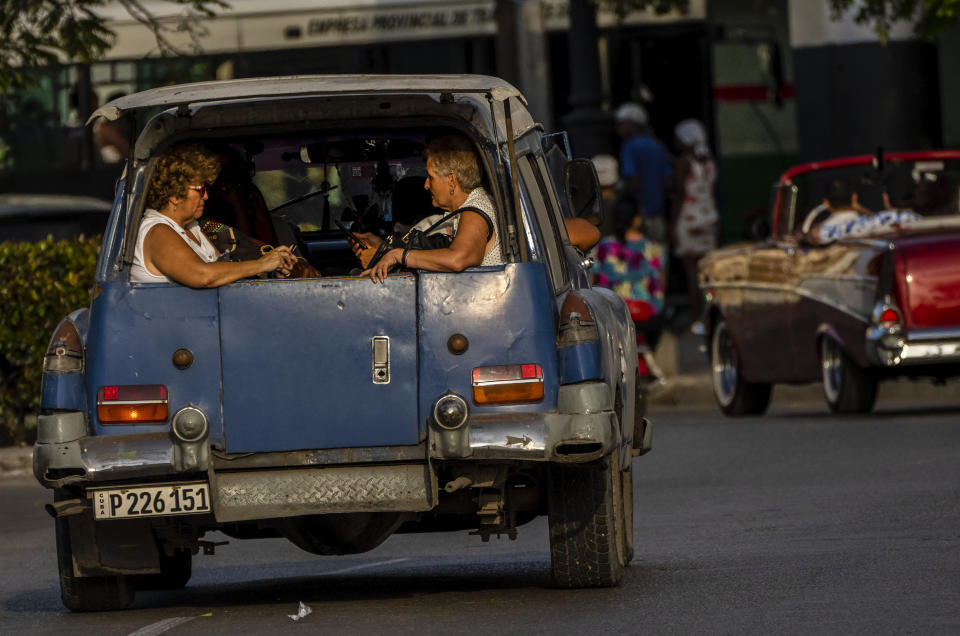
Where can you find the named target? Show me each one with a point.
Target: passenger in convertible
(454, 182)
(839, 211)
(170, 245)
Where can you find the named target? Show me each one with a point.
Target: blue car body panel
(63, 391)
(137, 328)
(298, 364)
(508, 317)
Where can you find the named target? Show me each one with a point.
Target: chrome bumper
(64, 453)
(582, 429)
(890, 347)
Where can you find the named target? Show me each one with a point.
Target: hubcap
(831, 362)
(724, 365)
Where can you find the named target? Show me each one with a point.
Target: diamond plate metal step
(264, 494)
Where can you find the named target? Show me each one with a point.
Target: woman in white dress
(695, 217)
(170, 246)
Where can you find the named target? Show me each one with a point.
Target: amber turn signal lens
(505, 393)
(132, 404)
(131, 413)
(509, 383)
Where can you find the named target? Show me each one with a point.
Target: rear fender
(617, 357)
(854, 353)
(63, 391)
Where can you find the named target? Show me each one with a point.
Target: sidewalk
(16, 462)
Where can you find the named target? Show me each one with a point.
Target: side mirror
(583, 190)
(760, 229)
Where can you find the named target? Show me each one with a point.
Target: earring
(451, 191)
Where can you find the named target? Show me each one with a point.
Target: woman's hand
(379, 271)
(280, 260)
(364, 255)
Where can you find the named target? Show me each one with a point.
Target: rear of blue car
(334, 412)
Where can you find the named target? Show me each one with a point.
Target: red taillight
(508, 383)
(132, 404)
(889, 316)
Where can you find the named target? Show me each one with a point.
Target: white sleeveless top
(478, 198)
(151, 218)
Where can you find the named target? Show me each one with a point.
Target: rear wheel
(87, 593)
(626, 490)
(734, 395)
(586, 519)
(175, 571)
(846, 387)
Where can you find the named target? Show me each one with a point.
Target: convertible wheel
(586, 520)
(734, 395)
(87, 593)
(847, 388)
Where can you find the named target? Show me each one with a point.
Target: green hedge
(40, 283)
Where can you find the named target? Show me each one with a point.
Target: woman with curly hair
(170, 246)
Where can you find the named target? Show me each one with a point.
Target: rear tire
(734, 395)
(586, 520)
(846, 387)
(175, 571)
(626, 490)
(87, 593)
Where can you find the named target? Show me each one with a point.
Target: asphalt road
(794, 523)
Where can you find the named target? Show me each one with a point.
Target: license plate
(151, 501)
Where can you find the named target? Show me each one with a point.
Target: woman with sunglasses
(170, 245)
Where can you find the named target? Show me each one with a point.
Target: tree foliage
(930, 18)
(35, 33)
(40, 283)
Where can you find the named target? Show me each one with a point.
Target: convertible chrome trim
(918, 353)
(801, 292)
(938, 333)
(889, 347)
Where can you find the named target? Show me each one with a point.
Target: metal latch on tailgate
(381, 359)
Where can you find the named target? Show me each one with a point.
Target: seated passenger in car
(454, 181)
(841, 212)
(171, 246)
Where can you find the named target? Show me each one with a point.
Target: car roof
(305, 85)
(39, 205)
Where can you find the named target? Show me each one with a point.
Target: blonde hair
(177, 169)
(455, 153)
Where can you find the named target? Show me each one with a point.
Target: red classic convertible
(877, 299)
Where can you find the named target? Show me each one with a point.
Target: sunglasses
(201, 189)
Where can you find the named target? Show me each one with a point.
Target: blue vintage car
(326, 409)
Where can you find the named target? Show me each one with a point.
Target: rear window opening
(310, 190)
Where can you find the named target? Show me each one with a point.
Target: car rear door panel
(134, 332)
(299, 370)
(507, 316)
